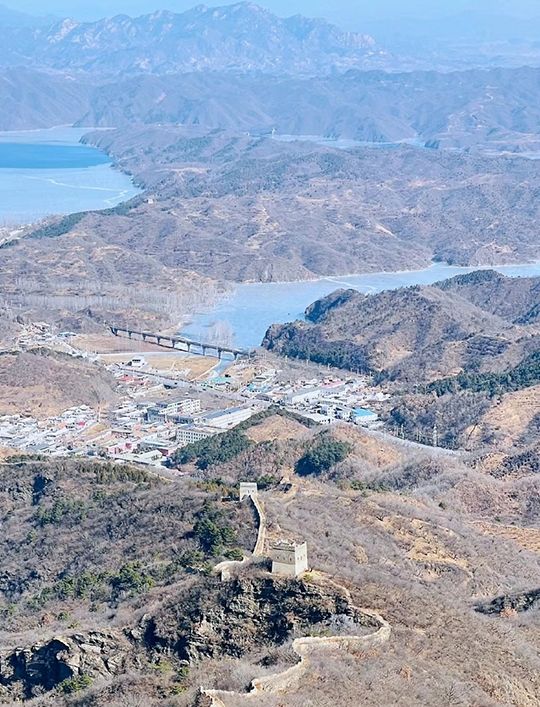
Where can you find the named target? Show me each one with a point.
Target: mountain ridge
(419, 334)
(494, 111)
(239, 37)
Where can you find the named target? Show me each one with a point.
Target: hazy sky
(346, 12)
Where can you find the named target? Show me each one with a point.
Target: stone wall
(227, 568)
(303, 647)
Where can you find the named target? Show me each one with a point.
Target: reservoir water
(250, 309)
(44, 172)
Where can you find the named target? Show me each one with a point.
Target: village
(167, 400)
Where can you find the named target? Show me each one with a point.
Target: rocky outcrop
(30, 671)
(233, 618)
(511, 603)
(317, 312)
(210, 619)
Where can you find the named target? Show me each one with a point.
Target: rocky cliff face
(210, 620)
(235, 617)
(510, 603)
(29, 671)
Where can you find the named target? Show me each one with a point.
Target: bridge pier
(188, 345)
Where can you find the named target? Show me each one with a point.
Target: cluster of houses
(57, 436)
(141, 432)
(151, 424)
(155, 431)
(323, 401)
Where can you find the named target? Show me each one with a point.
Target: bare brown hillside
(224, 204)
(42, 383)
(420, 334)
(421, 538)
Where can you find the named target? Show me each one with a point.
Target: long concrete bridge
(181, 343)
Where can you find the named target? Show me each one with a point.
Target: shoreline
(57, 176)
(249, 311)
(374, 273)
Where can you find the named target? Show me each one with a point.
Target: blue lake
(250, 309)
(45, 172)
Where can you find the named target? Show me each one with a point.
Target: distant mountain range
(244, 37)
(462, 109)
(241, 37)
(496, 110)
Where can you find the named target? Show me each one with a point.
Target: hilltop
(482, 323)
(462, 355)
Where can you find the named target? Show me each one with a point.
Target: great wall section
(304, 647)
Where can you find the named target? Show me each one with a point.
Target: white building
(138, 362)
(225, 419)
(152, 458)
(289, 558)
(306, 395)
(194, 433)
(166, 409)
(363, 416)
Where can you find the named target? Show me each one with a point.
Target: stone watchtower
(289, 558)
(248, 488)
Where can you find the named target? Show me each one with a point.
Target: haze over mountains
(496, 110)
(241, 37)
(215, 81)
(240, 67)
(10, 18)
